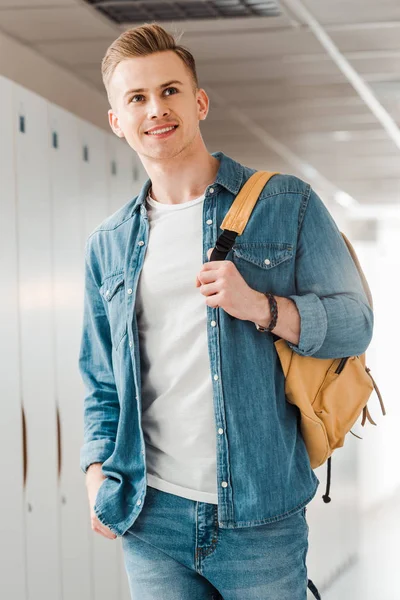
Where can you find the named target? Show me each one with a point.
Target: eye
(137, 96)
(175, 91)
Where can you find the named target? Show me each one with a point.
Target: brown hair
(142, 41)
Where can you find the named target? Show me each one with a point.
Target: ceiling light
(342, 136)
(344, 199)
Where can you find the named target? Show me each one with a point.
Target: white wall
(28, 68)
(379, 472)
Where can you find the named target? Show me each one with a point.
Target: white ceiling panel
(265, 69)
(294, 111)
(248, 24)
(357, 40)
(278, 92)
(339, 11)
(23, 4)
(264, 44)
(76, 52)
(54, 23)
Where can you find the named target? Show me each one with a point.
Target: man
(191, 453)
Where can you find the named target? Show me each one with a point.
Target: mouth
(162, 132)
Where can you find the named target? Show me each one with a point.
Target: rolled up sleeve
(335, 317)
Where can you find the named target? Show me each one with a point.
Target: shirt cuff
(96, 451)
(313, 324)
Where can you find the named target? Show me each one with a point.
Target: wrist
(262, 311)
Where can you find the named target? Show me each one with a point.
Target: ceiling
(314, 91)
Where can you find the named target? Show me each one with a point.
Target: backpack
(330, 393)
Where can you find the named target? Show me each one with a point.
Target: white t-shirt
(177, 402)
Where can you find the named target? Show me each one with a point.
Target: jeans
(176, 551)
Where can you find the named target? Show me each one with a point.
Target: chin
(165, 153)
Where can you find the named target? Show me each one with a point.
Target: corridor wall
(60, 177)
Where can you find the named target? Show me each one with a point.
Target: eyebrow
(163, 85)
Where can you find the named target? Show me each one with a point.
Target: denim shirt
(291, 247)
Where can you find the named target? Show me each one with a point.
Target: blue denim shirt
(290, 247)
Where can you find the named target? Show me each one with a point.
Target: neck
(183, 177)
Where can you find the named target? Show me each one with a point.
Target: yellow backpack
(330, 393)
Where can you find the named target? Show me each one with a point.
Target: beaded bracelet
(274, 314)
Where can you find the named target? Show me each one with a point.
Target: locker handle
(24, 446)
(59, 442)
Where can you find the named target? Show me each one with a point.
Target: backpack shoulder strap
(241, 208)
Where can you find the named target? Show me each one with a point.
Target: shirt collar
(229, 176)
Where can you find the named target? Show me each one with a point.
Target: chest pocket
(113, 292)
(265, 266)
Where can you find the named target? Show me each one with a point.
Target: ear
(203, 104)
(114, 124)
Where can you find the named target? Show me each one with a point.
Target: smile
(162, 131)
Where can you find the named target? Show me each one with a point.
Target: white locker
(12, 534)
(68, 262)
(125, 172)
(37, 345)
(94, 185)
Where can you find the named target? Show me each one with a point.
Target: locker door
(125, 172)
(12, 538)
(68, 261)
(93, 176)
(37, 345)
(94, 198)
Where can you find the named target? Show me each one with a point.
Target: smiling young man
(191, 452)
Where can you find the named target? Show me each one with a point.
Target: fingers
(98, 527)
(210, 288)
(207, 277)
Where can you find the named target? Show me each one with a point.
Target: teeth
(160, 130)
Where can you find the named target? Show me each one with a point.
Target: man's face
(154, 92)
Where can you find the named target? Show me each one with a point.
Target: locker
(12, 538)
(41, 501)
(124, 172)
(68, 253)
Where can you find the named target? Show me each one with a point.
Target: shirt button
(209, 221)
(130, 291)
(130, 344)
(107, 292)
(224, 484)
(267, 261)
(142, 451)
(139, 502)
(216, 377)
(211, 190)
(141, 243)
(213, 323)
(220, 431)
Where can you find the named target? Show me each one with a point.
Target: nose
(157, 109)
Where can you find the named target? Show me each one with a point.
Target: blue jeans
(176, 551)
